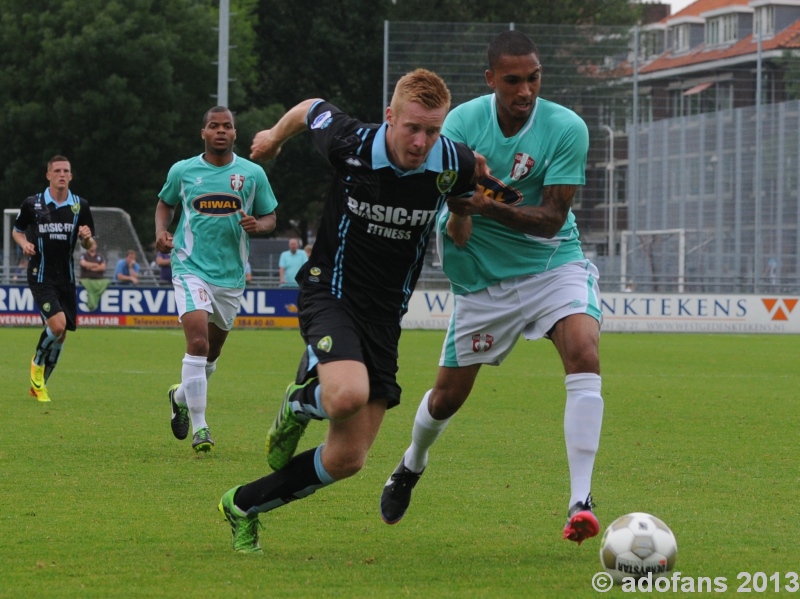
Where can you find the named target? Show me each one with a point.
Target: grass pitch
(99, 500)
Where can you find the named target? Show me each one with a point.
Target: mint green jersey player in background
(224, 199)
(512, 254)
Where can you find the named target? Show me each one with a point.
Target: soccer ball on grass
(637, 544)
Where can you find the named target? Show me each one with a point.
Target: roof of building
(787, 38)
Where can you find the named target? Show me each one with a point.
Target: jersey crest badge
(237, 182)
(522, 166)
(445, 181)
(482, 342)
(325, 344)
(76, 208)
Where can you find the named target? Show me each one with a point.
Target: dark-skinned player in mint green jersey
(514, 260)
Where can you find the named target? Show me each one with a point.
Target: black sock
(51, 359)
(46, 340)
(299, 479)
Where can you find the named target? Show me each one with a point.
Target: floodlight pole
(222, 52)
(611, 165)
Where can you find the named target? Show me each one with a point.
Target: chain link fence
(692, 176)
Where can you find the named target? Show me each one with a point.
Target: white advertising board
(652, 312)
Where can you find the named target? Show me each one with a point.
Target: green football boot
(243, 528)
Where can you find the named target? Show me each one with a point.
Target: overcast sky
(679, 5)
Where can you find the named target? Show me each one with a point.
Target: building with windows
(703, 58)
(697, 153)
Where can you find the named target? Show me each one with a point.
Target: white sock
(194, 385)
(180, 394)
(210, 368)
(583, 419)
(424, 434)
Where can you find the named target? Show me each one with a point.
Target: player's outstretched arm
(267, 143)
(544, 220)
(459, 228)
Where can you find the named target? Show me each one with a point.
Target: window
(724, 98)
(703, 97)
(712, 32)
(764, 22)
(652, 44)
(681, 38)
(722, 30)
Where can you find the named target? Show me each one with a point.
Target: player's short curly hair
(509, 43)
(422, 86)
(217, 110)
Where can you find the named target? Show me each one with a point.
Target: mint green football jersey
(550, 149)
(209, 243)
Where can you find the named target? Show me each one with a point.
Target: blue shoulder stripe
(450, 154)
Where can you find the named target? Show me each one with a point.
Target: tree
(118, 86)
(334, 50)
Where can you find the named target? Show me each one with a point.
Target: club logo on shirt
(322, 120)
(482, 342)
(523, 164)
(325, 344)
(76, 208)
(46, 307)
(445, 181)
(217, 204)
(237, 182)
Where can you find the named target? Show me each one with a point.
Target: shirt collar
(48, 199)
(207, 163)
(380, 159)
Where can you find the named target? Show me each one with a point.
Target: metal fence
(689, 188)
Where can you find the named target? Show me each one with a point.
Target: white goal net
(115, 236)
(653, 260)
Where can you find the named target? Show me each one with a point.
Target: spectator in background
(164, 264)
(93, 276)
(248, 273)
(771, 271)
(290, 262)
(127, 271)
(93, 265)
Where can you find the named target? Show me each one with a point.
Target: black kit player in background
(390, 182)
(47, 228)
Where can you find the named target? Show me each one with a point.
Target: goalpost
(115, 235)
(668, 259)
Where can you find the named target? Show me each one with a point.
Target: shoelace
(405, 479)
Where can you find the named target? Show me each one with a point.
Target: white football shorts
(193, 293)
(485, 324)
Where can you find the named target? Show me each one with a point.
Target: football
(637, 544)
